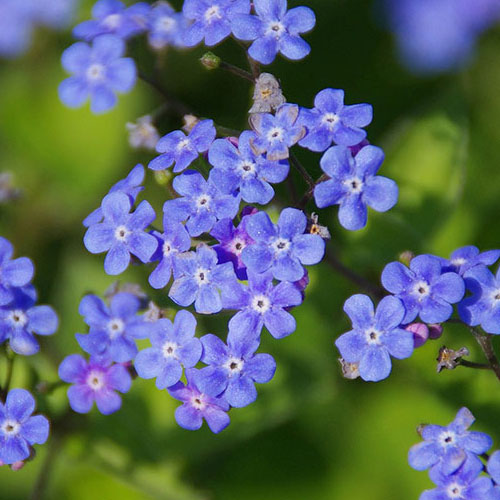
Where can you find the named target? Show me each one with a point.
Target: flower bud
(210, 60)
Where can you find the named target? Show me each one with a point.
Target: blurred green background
(311, 434)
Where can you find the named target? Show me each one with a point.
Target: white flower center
(421, 289)
(447, 438)
(234, 365)
(454, 490)
(115, 327)
(112, 21)
(183, 144)
(275, 28)
(212, 13)
(167, 248)
(330, 119)
(373, 336)
(166, 24)
(197, 402)
(121, 233)
(495, 296)
(281, 245)
(460, 261)
(275, 134)
(260, 303)
(18, 318)
(95, 380)
(354, 185)
(237, 246)
(95, 72)
(203, 201)
(10, 427)
(168, 349)
(201, 276)
(247, 167)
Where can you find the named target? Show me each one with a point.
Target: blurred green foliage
(311, 434)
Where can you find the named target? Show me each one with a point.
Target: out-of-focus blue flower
(19, 430)
(447, 448)
(174, 346)
(465, 258)
(55, 13)
(332, 121)
(122, 233)
(181, 149)
(202, 202)
(166, 26)
(211, 19)
(251, 173)
(198, 406)
(276, 133)
(113, 18)
(354, 185)
(16, 26)
(98, 71)
(424, 289)
(21, 319)
(261, 304)
(199, 279)
(94, 380)
(274, 30)
(234, 369)
(282, 248)
(113, 329)
(375, 337)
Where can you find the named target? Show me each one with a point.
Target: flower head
(465, 258)
(166, 27)
(143, 133)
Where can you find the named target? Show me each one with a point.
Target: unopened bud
(210, 60)
(162, 177)
(420, 333)
(405, 257)
(189, 122)
(435, 331)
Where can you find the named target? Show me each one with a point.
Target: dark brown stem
(310, 192)
(305, 174)
(471, 364)
(484, 341)
(236, 71)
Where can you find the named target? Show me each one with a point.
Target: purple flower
(199, 279)
(97, 71)
(166, 27)
(232, 243)
(174, 239)
(276, 133)
(202, 202)
(131, 186)
(19, 431)
(95, 380)
(282, 248)
(375, 337)
(482, 307)
(424, 289)
(21, 319)
(14, 273)
(275, 30)
(464, 484)
(211, 19)
(181, 149)
(122, 233)
(353, 185)
(114, 328)
(330, 120)
(262, 304)
(173, 346)
(465, 258)
(250, 173)
(446, 448)
(112, 17)
(234, 369)
(198, 406)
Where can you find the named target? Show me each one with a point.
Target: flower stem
(486, 344)
(235, 70)
(472, 364)
(305, 174)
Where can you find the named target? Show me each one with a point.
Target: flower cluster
(453, 456)
(427, 289)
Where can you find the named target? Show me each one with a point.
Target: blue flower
(173, 240)
(353, 185)
(332, 121)
(112, 17)
(166, 27)
(424, 289)
(447, 448)
(21, 319)
(276, 133)
(211, 19)
(282, 248)
(173, 346)
(465, 258)
(493, 466)
(182, 150)
(482, 307)
(262, 304)
(202, 202)
(56, 14)
(98, 72)
(234, 369)
(131, 186)
(19, 430)
(14, 273)
(251, 173)
(375, 337)
(94, 380)
(122, 233)
(232, 242)
(275, 30)
(198, 406)
(112, 330)
(199, 279)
